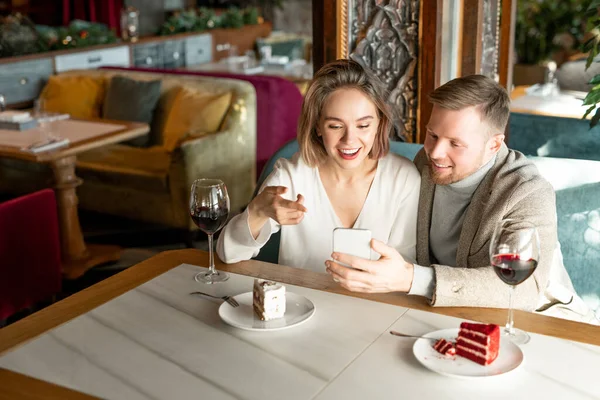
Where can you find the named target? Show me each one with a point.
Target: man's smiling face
(458, 143)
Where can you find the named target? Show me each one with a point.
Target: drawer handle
(94, 59)
(223, 47)
(23, 81)
(176, 55)
(149, 60)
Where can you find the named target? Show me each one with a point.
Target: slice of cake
(268, 299)
(478, 342)
(445, 347)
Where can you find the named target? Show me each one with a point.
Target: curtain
(104, 11)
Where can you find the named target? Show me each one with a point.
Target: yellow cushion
(190, 111)
(79, 96)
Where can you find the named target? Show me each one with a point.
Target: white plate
(298, 309)
(509, 358)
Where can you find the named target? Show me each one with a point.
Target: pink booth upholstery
(30, 269)
(278, 105)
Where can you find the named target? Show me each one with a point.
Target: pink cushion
(30, 269)
(278, 106)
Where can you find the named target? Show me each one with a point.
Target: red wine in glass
(209, 209)
(514, 255)
(208, 222)
(511, 269)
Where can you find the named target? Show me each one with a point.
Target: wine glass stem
(211, 260)
(510, 323)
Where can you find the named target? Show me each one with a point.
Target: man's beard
(440, 179)
(452, 177)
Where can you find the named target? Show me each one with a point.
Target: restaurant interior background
(532, 47)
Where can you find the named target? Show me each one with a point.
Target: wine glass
(514, 253)
(44, 120)
(209, 208)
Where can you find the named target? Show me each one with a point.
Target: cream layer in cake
(268, 299)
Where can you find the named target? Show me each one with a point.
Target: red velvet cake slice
(445, 347)
(478, 342)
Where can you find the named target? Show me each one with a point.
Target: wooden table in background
(567, 105)
(77, 257)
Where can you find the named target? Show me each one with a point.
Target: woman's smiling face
(348, 125)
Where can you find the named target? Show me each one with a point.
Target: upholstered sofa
(550, 136)
(278, 106)
(577, 186)
(153, 183)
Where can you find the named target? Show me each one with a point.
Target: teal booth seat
(270, 251)
(577, 186)
(548, 136)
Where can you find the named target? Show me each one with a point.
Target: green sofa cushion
(132, 100)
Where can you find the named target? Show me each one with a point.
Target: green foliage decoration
(251, 16)
(232, 18)
(540, 23)
(592, 47)
(202, 19)
(77, 34)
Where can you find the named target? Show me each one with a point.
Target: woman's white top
(389, 212)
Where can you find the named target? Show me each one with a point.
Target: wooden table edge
(130, 130)
(79, 303)
(14, 385)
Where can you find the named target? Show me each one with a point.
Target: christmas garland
(203, 19)
(19, 36)
(77, 35)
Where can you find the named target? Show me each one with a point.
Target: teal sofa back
(541, 135)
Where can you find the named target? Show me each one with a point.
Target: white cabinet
(115, 56)
(23, 81)
(198, 49)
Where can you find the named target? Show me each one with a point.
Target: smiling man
(470, 181)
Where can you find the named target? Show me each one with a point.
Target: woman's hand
(391, 273)
(270, 204)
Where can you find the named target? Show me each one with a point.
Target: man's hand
(388, 274)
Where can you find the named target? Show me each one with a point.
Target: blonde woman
(343, 176)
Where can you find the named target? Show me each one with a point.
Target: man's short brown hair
(340, 74)
(489, 97)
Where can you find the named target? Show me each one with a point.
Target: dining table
(140, 334)
(79, 135)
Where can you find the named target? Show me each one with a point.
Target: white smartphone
(356, 242)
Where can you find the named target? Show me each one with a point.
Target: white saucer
(509, 358)
(298, 309)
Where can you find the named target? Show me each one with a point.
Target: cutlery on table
(230, 300)
(411, 336)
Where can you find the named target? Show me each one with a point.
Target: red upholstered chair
(30, 269)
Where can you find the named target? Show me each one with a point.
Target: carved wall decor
(490, 40)
(383, 35)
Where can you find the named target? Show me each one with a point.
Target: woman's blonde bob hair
(340, 74)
